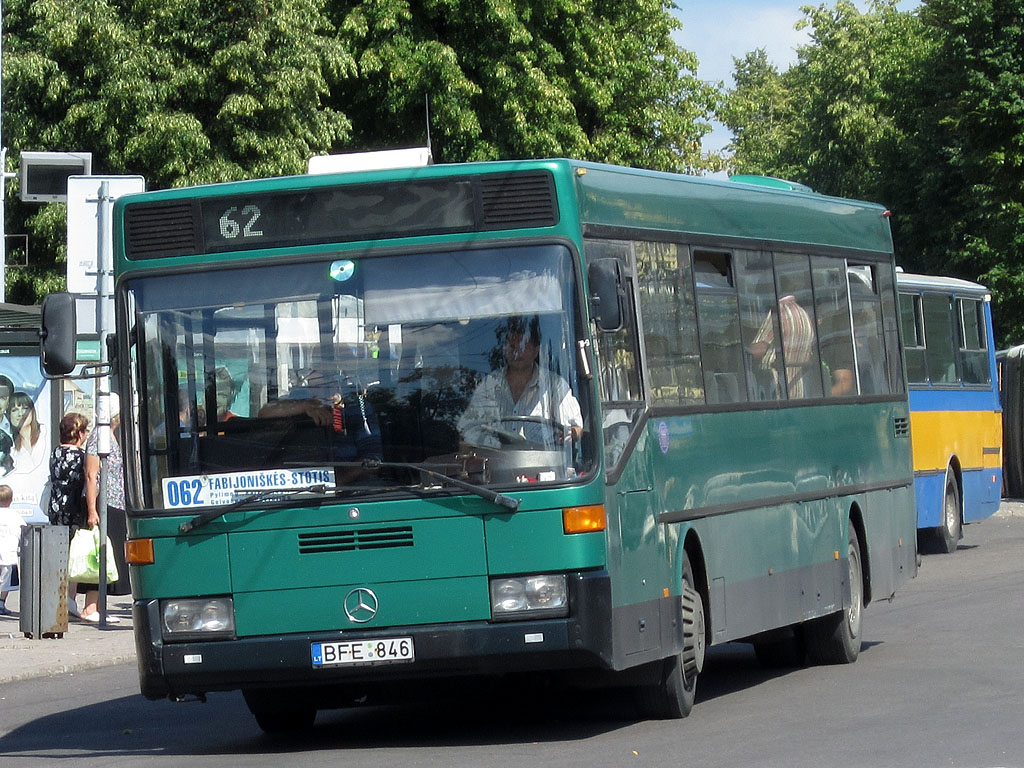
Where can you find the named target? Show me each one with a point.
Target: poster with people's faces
(25, 435)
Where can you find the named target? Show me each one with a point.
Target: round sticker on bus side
(663, 436)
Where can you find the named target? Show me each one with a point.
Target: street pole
(103, 416)
(3, 171)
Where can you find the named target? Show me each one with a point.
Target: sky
(720, 30)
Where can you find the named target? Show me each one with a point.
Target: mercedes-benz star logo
(360, 605)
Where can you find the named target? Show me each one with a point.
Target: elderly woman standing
(117, 526)
(67, 484)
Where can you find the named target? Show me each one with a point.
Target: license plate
(376, 651)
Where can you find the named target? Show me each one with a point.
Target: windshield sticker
(342, 270)
(229, 487)
(663, 439)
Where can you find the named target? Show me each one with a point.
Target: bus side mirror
(605, 278)
(57, 336)
(112, 350)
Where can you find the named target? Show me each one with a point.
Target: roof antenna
(430, 149)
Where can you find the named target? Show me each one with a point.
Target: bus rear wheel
(835, 639)
(948, 535)
(673, 695)
(278, 713)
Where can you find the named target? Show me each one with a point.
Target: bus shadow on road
(498, 714)
(131, 726)
(733, 667)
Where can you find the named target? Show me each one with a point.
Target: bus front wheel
(835, 639)
(672, 696)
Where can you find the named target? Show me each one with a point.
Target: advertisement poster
(25, 435)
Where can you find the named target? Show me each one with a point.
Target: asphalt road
(939, 683)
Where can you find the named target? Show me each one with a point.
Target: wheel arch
(958, 477)
(856, 520)
(694, 551)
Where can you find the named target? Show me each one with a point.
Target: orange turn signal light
(584, 519)
(139, 552)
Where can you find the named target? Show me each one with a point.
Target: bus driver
(524, 397)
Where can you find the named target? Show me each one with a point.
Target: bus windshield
(345, 371)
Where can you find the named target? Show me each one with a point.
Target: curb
(68, 668)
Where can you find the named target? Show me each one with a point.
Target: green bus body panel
(642, 563)
(432, 549)
(562, 171)
(534, 542)
(432, 559)
(764, 584)
(605, 195)
(731, 458)
(650, 200)
(142, 525)
(778, 488)
(402, 603)
(183, 567)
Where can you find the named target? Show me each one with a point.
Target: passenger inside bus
(523, 399)
(797, 343)
(837, 353)
(335, 402)
(227, 388)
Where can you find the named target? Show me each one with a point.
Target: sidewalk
(83, 646)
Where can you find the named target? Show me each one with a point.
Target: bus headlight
(203, 618)
(521, 597)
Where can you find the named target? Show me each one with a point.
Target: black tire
(947, 536)
(279, 715)
(673, 695)
(835, 639)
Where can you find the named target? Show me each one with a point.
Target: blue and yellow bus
(955, 413)
(344, 482)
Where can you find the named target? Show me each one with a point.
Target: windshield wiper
(484, 493)
(212, 514)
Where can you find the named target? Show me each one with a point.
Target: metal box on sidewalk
(44, 580)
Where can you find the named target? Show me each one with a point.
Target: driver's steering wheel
(559, 432)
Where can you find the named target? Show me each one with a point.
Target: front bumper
(581, 640)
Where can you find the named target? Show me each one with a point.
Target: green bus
(537, 417)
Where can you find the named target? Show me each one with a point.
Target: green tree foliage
(180, 91)
(193, 91)
(852, 77)
(760, 112)
(919, 110)
(833, 114)
(580, 78)
(976, 100)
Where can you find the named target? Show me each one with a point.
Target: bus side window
(938, 334)
(832, 317)
(669, 323)
(718, 323)
(913, 337)
(868, 336)
(799, 338)
(618, 361)
(973, 341)
(759, 325)
(890, 327)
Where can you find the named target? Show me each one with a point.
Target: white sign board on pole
(84, 239)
